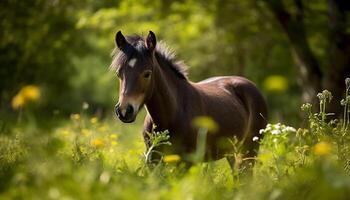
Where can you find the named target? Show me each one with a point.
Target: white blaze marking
(132, 62)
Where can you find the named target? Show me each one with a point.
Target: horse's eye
(147, 74)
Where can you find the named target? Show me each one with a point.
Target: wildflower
(85, 106)
(97, 143)
(18, 101)
(85, 132)
(322, 148)
(94, 120)
(26, 94)
(205, 122)
(171, 158)
(255, 138)
(113, 136)
(347, 82)
(31, 92)
(105, 177)
(306, 107)
(261, 131)
(114, 143)
(75, 116)
(276, 83)
(275, 132)
(290, 129)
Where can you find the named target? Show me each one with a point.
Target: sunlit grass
(88, 157)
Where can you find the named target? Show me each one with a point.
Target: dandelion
(94, 120)
(31, 92)
(322, 148)
(26, 94)
(205, 122)
(255, 138)
(113, 136)
(97, 143)
(75, 117)
(276, 83)
(171, 158)
(17, 102)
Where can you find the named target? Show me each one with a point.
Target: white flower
(255, 138)
(275, 140)
(261, 131)
(290, 129)
(275, 132)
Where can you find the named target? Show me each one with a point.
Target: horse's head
(134, 66)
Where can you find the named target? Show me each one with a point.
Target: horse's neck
(164, 101)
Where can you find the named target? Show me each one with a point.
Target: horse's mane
(163, 54)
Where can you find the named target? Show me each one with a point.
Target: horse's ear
(151, 41)
(120, 40)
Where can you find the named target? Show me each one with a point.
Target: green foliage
(64, 47)
(37, 40)
(156, 139)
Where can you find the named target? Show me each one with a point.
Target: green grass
(89, 158)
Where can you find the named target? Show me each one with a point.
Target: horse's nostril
(129, 110)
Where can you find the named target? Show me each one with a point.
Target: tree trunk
(338, 67)
(339, 53)
(293, 26)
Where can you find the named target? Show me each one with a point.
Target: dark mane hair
(163, 54)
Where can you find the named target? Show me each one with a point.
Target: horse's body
(234, 103)
(173, 102)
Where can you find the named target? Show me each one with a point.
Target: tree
(314, 75)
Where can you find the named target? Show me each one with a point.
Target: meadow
(86, 157)
(60, 138)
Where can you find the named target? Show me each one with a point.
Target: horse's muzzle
(127, 115)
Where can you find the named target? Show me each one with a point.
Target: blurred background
(55, 54)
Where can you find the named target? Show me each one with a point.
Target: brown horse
(150, 75)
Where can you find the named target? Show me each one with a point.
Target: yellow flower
(85, 132)
(113, 136)
(205, 122)
(171, 158)
(275, 83)
(114, 143)
(31, 92)
(18, 101)
(26, 94)
(75, 116)
(97, 143)
(322, 148)
(94, 120)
